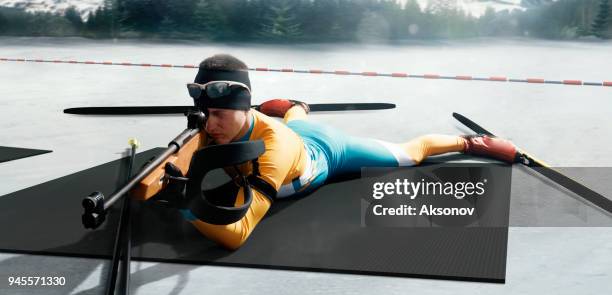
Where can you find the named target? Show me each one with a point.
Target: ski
(544, 169)
(169, 110)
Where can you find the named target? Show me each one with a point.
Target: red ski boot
(278, 107)
(491, 147)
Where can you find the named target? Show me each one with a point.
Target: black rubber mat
(320, 232)
(14, 153)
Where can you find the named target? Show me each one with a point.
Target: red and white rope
(335, 72)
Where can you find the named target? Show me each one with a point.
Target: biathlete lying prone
(299, 155)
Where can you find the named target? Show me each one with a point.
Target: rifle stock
(156, 181)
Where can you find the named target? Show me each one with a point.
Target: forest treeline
(313, 20)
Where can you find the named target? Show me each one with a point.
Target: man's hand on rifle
(174, 193)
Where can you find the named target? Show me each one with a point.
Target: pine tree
(168, 27)
(600, 24)
(373, 28)
(74, 17)
(102, 22)
(208, 21)
(280, 23)
(442, 13)
(412, 19)
(110, 14)
(319, 19)
(176, 17)
(140, 16)
(3, 24)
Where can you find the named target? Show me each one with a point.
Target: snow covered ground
(564, 125)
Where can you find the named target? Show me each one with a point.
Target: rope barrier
(335, 72)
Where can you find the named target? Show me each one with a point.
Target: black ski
(544, 169)
(168, 110)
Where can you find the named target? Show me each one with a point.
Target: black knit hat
(225, 67)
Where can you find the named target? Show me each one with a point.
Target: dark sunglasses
(214, 89)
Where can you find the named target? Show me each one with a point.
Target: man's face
(225, 125)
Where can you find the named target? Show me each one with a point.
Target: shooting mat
(320, 232)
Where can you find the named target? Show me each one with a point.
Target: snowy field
(567, 126)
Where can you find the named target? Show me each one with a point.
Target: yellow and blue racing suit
(299, 157)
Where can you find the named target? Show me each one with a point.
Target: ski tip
(70, 111)
(383, 105)
(459, 117)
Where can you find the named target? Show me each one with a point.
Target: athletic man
(299, 155)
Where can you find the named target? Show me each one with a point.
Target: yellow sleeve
(276, 162)
(272, 167)
(232, 236)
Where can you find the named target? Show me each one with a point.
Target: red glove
(278, 107)
(491, 147)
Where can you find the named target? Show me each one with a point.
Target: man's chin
(221, 140)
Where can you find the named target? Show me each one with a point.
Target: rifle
(151, 179)
(148, 182)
